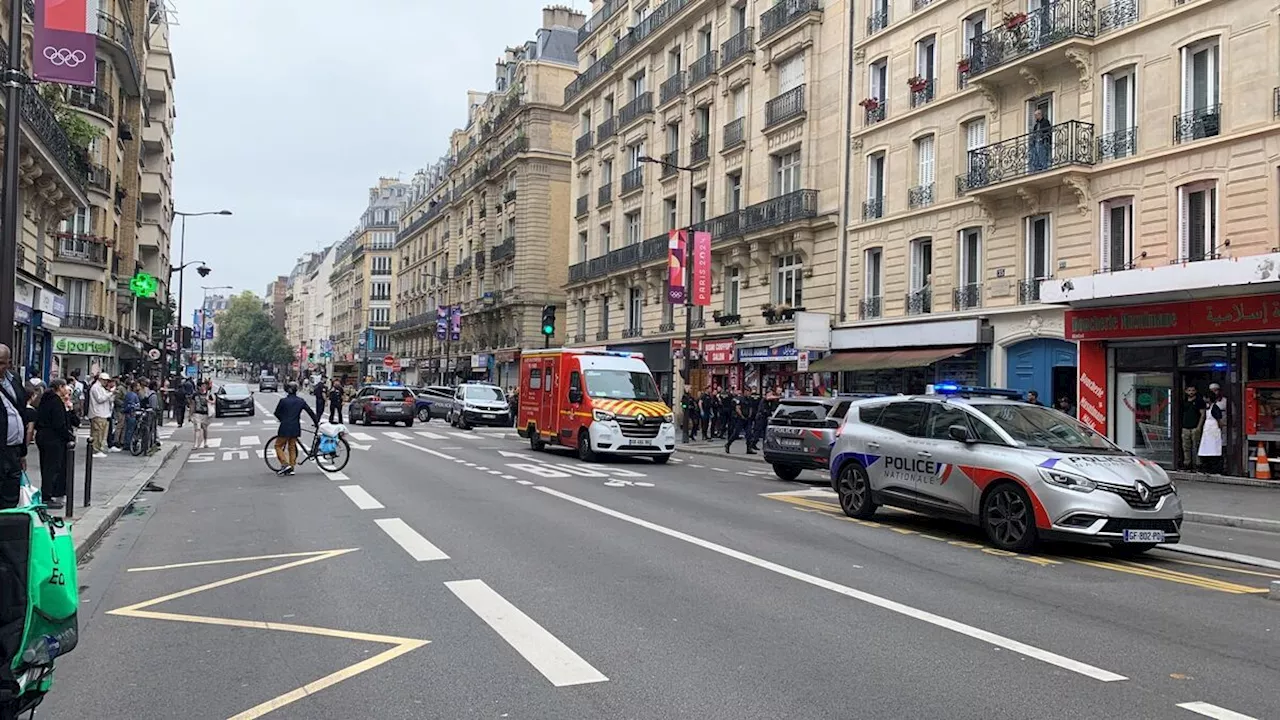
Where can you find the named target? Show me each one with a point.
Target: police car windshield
(621, 385)
(483, 392)
(1037, 426)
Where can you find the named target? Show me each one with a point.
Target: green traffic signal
(548, 320)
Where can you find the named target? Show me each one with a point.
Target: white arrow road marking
(418, 547)
(361, 497)
(201, 457)
(945, 623)
(214, 442)
(397, 435)
(429, 435)
(544, 652)
(363, 437)
(1213, 711)
(249, 440)
(626, 483)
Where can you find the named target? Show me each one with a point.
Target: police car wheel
(424, 415)
(786, 472)
(1007, 518)
(854, 489)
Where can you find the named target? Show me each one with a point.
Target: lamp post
(686, 368)
(182, 265)
(14, 82)
(204, 319)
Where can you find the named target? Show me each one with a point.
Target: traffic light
(548, 320)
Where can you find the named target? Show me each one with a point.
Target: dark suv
(801, 432)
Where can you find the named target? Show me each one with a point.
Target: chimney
(559, 16)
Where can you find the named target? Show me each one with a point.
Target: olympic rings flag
(65, 41)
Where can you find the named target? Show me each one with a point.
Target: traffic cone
(1263, 471)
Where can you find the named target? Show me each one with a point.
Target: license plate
(394, 410)
(1144, 536)
(490, 416)
(637, 442)
(789, 442)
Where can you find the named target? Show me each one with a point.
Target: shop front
(506, 368)
(86, 354)
(1138, 364)
(771, 361)
(907, 358)
(657, 355)
(23, 314)
(1029, 352)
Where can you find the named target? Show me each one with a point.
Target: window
(1038, 249)
(738, 18)
(535, 378)
(733, 191)
(788, 275)
(635, 309)
(674, 63)
(700, 203)
(970, 257)
(1200, 76)
(77, 292)
(925, 161)
(631, 221)
(701, 121)
(1118, 115)
(732, 289)
(1117, 234)
(380, 316)
(921, 264)
(942, 417)
(639, 14)
(791, 73)
(927, 58)
(878, 80)
(1198, 220)
(81, 223)
(585, 124)
(975, 133)
(786, 173)
(903, 417)
(704, 41)
(380, 291)
(738, 102)
(673, 137)
(669, 213)
(606, 171)
(637, 83)
(873, 273)
(875, 179)
(604, 316)
(381, 265)
(608, 106)
(582, 319)
(634, 153)
(606, 240)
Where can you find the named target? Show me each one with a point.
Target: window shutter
(1212, 62)
(1105, 254)
(1211, 209)
(1108, 103)
(917, 267)
(1188, 79)
(925, 151)
(1183, 227)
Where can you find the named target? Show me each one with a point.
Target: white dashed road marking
(1213, 711)
(466, 436)
(249, 440)
(362, 437)
(397, 435)
(429, 435)
(361, 497)
(418, 547)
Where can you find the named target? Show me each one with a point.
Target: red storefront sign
(1216, 316)
(1092, 391)
(718, 352)
(677, 348)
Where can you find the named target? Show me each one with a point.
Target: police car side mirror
(575, 395)
(960, 433)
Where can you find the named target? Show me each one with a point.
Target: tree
(161, 319)
(245, 332)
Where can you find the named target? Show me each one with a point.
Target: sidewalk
(117, 478)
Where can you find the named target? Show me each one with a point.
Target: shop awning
(767, 340)
(884, 359)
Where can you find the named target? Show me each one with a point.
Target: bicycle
(144, 432)
(329, 462)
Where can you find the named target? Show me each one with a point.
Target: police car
(1021, 472)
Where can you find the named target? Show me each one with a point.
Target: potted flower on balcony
(768, 311)
(870, 104)
(1014, 21)
(917, 84)
(963, 65)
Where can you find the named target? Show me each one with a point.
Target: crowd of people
(728, 414)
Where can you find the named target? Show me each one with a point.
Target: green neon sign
(143, 285)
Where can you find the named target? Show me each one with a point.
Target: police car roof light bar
(970, 390)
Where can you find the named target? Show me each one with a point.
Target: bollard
(1274, 594)
(88, 470)
(69, 510)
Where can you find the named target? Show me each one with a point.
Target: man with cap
(101, 403)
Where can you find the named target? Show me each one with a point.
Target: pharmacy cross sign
(143, 285)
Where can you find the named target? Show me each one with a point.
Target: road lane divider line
(362, 437)
(1213, 711)
(418, 547)
(429, 451)
(1169, 576)
(227, 561)
(396, 435)
(361, 497)
(466, 436)
(508, 477)
(1031, 651)
(525, 482)
(544, 651)
(336, 476)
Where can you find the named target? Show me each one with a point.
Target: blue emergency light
(948, 388)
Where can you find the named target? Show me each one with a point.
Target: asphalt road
(461, 575)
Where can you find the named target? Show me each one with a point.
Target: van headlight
(602, 415)
(669, 418)
(1068, 480)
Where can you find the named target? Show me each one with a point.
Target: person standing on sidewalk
(13, 453)
(1191, 422)
(54, 423)
(200, 401)
(1211, 437)
(101, 404)
(335, 402)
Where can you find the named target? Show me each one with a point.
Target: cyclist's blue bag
(328, 444)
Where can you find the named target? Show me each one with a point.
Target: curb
(1180, 476)
(1222, 555)
(1246, 523)
(718, 451)
(116, 506)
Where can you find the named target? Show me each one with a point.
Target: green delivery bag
(39, 599)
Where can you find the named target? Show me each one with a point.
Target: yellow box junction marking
(400, 645)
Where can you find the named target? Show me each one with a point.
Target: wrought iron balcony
(636, 109)
(700, 149)
(582, 208)
(671, 88)
(95, 101)
(503, 251)
(874, 112)
(120, 35)
(873, 209)
(624, 257)
(775, 212)
(632, 332)
(602, 16)
(604, 195)
(583, 143)
(1064, 144)
(869, 308)
(922, 93)
(920, 196)
(606, 129)
(1117, 15)
(918, 5)
(48, 130)
(967, 296)
(784, 107)
(633, 179)
(602, 334)
(1021, 34)
(578, 272)
(737, 46)
(785, 13)
(735, 133)
(669, 162)
(1029, 290)
(702, 68)
(1197, 124)
(81, 248)
(81, 321)
(580, 338)
(878, 21)
(509, 196)
(1118, 144)
(920, 302)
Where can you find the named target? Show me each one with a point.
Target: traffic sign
(389, 361)
(153, 354)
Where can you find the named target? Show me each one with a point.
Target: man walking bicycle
(289, 412)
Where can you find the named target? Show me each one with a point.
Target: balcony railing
(582, 207)
(920, 302)
(669, 162)
(47, 128)
(1275, 103)
(604, 195)
(700, 149)
(91, 100)
(1197, 124)
(923, 93)
(785, 13)
(1118, 144)
(606, 129)
(503, 251)
(671, 88)
(1068, 143)
(784, 107)
(660, 16)
(80, 321)
(632, 332)
(598, 266)
(920, 196)
(967, 296)
(99, 177)
(602, 16)
(583, 143)
(878, 20)
(735, 133)
(1029, 290)
(633, 179)
(578, 272)
(736, 46)
(873, 208)
(118, 32)
(602, 335)
(869, 308)
(634, 110)
(81, 248)
(873, 113)
(702, 68)
(796, 205)
(1117, 15)
(1035, 31)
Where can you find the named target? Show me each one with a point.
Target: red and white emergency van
(596, 401)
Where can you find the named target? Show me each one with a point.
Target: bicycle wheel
(135, 443)
(269, 454)
(335, 461)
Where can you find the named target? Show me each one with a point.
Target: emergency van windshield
(621, 385)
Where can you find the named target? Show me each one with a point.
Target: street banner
(675, 267)
(455, 322)
(442, 321)
(702, 268)
(208, 330)
(66, 40)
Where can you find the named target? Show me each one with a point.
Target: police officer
(737, 420)
(764, 410)
(751, 406)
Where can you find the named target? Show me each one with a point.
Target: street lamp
(203, 319)
(182, 265)
(686, 369)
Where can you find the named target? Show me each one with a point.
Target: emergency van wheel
(661, 459)
(536, 442)
(585, 453)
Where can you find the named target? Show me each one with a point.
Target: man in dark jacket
(13, 449)
(321, 391)
(289, 412)
(335, 402)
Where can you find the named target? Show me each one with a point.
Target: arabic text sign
(1198, 317)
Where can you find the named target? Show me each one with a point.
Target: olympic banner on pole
(676, 244)
(702, 268)
(455, 322)
(65, 41)
(442, 322)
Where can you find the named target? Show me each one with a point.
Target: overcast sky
(289, 110)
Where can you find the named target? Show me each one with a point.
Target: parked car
(268, 383)
(479, 404)
(382, 403)
(433, 401)
(801, 431)
(233, 398)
